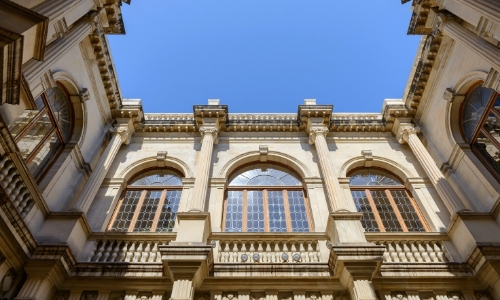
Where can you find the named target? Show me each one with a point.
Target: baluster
(439, 252)
(130, 253)
(277, 252)
(154, 252)
(416, 253)
(23, 203)
(269, 258)
(92, 252)
(219, 255)
(235, 251)
(244, 249)
(19, 198)
(262, 258)
(145, 254)
(409, 255)
(392, 252)
(138, 252)
(4, 159)
(386, 256)
(318, 253)
(293, 250)
(107, 253)
(98, 256)
(431, 252)
(158, 254)
(423, 253)
(13, 181)
(303, 254)
(401, 254)
(17, 190)
(115, 252)
(312, 255)
(252, 251)
(5, 172)
(285, 250)
(123, 252)
(225, 256)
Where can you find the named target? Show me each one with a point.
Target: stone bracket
(263, 150)
(493, 80)
(368, 156)
(185, 262)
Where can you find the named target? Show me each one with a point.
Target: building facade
(100, 200)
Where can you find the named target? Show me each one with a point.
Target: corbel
(84, 95)
(263, 150)
(484, 26)
(492, 81)
(449, 95)
(368, 156)
(161, 156)
(60, 27)
(48, 80)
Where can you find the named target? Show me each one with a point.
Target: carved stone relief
(89, 295)
(230, 296)
(61, 295)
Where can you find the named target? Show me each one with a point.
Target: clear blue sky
(264, 55)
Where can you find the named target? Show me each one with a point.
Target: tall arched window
(265, 198)
(385, 203)
(150, 203)
(41, 133)
(480, 126)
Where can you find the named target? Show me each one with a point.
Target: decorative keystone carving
(161, 156)
(405, 131)
(61, 27)
(315, 131)
(48, 80)
(263, 150)
(483, 27)
(367, 154)
(492, 80)
(124, 133)
(213, 131)
(84, 95)
(449, 95)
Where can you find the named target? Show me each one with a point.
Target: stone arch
(79, 110)
(152, 162)
(272, 156)
(379, 162)
(453, 125)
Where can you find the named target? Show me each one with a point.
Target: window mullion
(308, 211)
(224, 210)
(481, 122)
(137, 210)
(418, 211)
(491, 138)
(30, 124)
(375, 210)
(115, 212)
(266, 212)
(287, 211)
(39, 146)
(244, 219)
(396, 211)
(163, 198)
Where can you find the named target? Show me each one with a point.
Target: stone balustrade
(263, 250)
(134, 248)
(14, 186)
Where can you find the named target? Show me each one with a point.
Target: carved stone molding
(263, 150)
(315, 131)
(84, 95)
(449, 95)
(492, 81)
(161, 156)
(124, 133)
(368, 156)
(406, 130)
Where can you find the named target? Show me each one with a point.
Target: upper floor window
(265, 198)
(385, 203)
(41, 133)
(150, 203)
(480, 126)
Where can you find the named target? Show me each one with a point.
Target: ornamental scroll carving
(123, 132)
(405, 131)
(316, 131)
(213, 131)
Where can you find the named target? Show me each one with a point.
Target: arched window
(150, 203)
(384, 202)
(480, 115)
(41, 133)
(265, 198)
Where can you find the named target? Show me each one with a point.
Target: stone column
(469, 39)
(317, 136)
(487, 8)
(408, 133)
(363, 290)
(208, 138)
(120, 135)
(37, 288)
(182, 289)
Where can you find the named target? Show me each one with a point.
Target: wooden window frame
(387, 190)
(265, 190)
(144, 189)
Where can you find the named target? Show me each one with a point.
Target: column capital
(315, 131)
(210, 130)
(124, 133)
(404, 131)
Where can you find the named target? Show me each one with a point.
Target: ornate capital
(210, 130)
(405, 130)
(123, 132)
(315, 131)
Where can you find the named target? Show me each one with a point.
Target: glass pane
(168, 211)
(277, 217)
(386, 212)
(147, 211)
(298, 214)
(234, 211)
(158, 177)
(407, 211)
(20, 122)
(44, 155)
(61, 109)
(264, 175)
(363, 205)
(126, 211)
(34, 135)
(255, 209)
(488, 151)
(473, 109)
(371, 176)
(491, 125)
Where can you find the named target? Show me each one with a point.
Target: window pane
(363, 205)
(148, 210)
(255, 208)
(126, 212)
(264, 175)
(158, 177)
(473, 109)
(386, 212)
(34, 135)
(371, 176)
(61, 109)
(298, 213)
(234, 211)
(488, 151)
(491, 125)
(407, 211)
(277, 217)
(20, 122)
(168, 211)
(44, 155)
